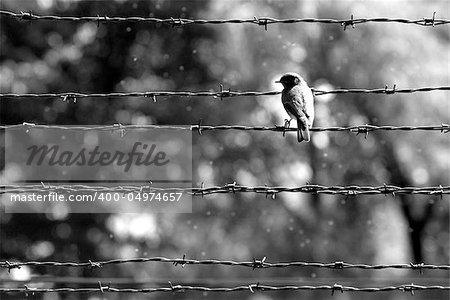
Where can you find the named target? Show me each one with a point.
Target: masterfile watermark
(147, 157)
(98, 171)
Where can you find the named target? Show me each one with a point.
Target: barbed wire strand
(254, 264)
(47, 280)
(51, 280)
(199, 127)
(352, 190)
(260, 21)
(250, 287)
(221, 94)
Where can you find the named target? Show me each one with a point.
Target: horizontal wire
(358, 129)
(73, 96)
(261, 21)
(378, 279)
(250, 264)
(251, 288)
(352, 190)
(46, 280)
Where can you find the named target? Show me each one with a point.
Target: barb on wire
(353, 190)
(384, 90)
(250, 287)
(221, 94)
(260, 21)
(350, 22)
(200, 128)
(254, 264)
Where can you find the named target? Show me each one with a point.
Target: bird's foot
(287, 124)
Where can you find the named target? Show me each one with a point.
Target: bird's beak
(277, 81)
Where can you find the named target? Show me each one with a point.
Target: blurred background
(45, 56)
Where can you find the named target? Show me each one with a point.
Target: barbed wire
(52, 280)
(260, 21)
(253, 287)
(199, 128)
(352, 190)
(221, 94)
(254, 264)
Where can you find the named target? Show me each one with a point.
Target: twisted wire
(261, 21)
(358, 129)
(254, 264)
(250, 287)
(73, 96)
(352, 190)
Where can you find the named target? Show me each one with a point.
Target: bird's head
(289, 80)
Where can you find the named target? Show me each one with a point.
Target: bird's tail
(306, 133)
(302, 132)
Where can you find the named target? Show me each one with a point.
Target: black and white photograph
(211, 149)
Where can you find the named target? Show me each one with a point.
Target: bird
(298, 101)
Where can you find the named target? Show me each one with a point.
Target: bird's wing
(292, 109)
(297, 110)
(296, 106)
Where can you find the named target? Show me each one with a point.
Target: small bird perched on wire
(298, 101)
